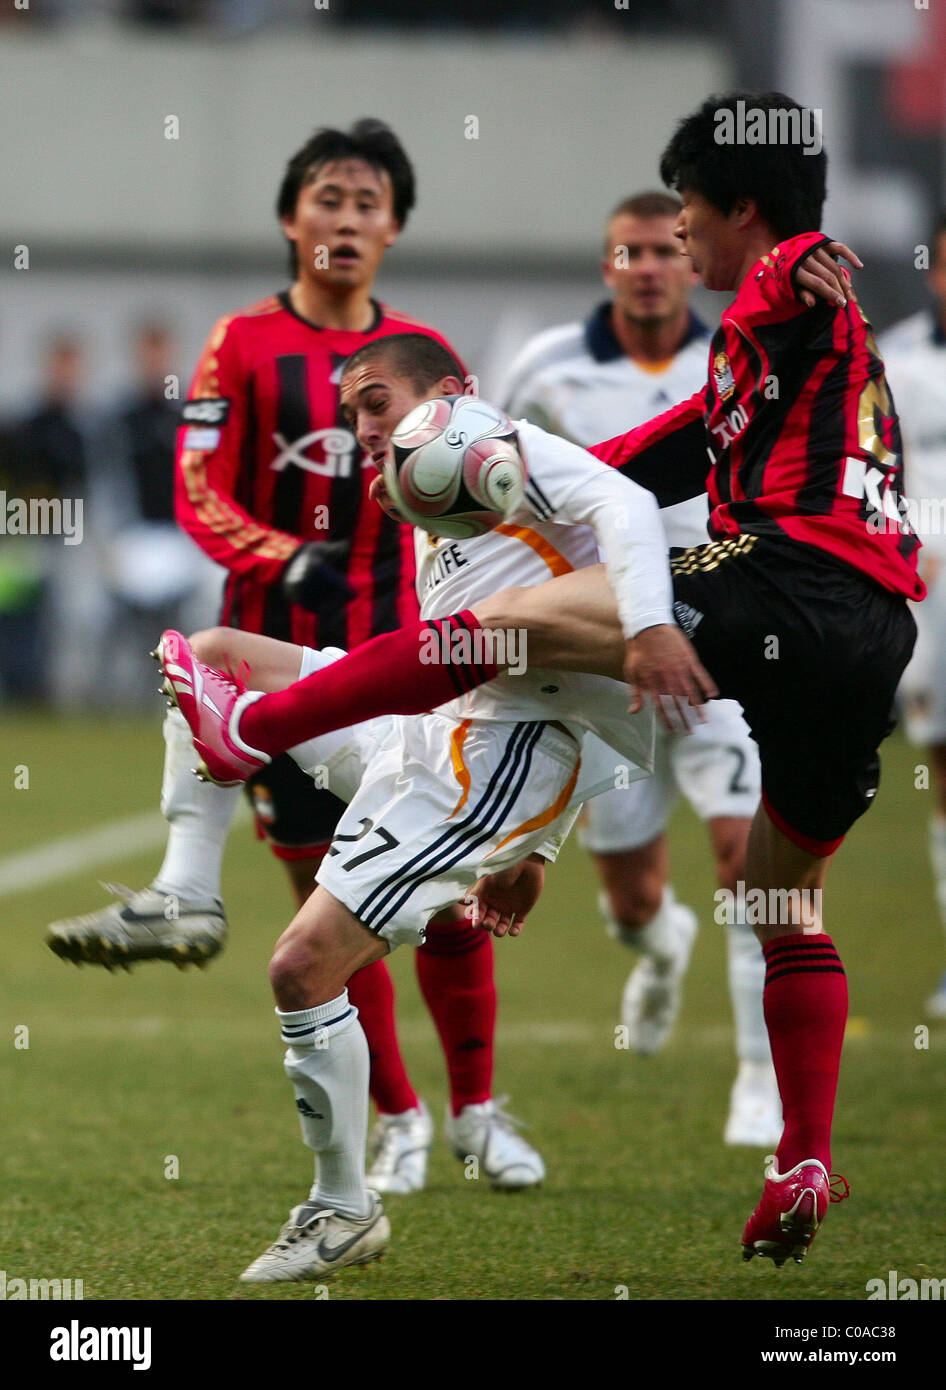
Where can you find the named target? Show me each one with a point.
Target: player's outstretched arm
(501, 902)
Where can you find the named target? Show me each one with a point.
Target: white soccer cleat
(488, 1135)
(935, 1006)
(755, 1108)
(397, 1151)
(148, 925)
(317, 1242)
(654, 989)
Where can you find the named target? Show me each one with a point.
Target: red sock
(455, 973)
(409, 671)
(371, 990)
(805, 1003)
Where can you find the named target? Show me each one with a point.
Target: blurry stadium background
(143, 142)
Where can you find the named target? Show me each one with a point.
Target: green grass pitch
(122, 1073)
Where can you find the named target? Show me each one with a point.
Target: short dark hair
(786, 182)
(651, 203)
(422, 360)
(370, 140)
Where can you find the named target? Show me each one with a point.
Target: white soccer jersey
(576, 381)
(573, 508)
(914, 353)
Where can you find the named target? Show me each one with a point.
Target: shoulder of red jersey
(260, 309)
(773, 275)
(393, 321)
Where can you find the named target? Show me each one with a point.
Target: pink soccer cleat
(791, 1209)
(212, 703)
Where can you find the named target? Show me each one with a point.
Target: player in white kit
(486, 782)
(640, 352)
(914, 353)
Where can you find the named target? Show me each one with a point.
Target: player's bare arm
(572, 624)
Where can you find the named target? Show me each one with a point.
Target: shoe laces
(502, 1119)
(237, 679)
(120, 890)
(384, 1146)
(838, 1188)
(303, 1229)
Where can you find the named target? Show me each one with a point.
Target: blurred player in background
(914, 352)
(53, 455)
(271, 485)
(154, 575)
(640, 351)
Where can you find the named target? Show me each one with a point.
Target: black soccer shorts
(813, 650)
(292, 813)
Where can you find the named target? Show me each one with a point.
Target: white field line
(69, 855)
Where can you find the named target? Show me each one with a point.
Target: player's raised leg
(570, 622)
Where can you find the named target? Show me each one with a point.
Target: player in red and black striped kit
(271, 484)
(798, 607)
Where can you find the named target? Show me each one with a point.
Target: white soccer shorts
(923, 685)
(440, 803)
(716, 767)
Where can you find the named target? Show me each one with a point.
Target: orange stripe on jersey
(544, 549)
(536, 823)
(460, 769)
(223, 520)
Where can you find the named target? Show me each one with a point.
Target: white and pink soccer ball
(454, 467)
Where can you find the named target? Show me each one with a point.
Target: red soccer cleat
(211, 702)
(791, 1209)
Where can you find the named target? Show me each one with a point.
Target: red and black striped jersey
(265, 462)
(799, 425)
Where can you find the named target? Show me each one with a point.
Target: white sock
(314, 755)
(656, 938)
(938, 861)
(198, 814)
(327, 1063)
(746, 982)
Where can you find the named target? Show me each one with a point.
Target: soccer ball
(454, 467)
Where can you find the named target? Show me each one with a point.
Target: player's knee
(636, 903)
(296, 967)
(508, 608)
(730, 866)
(209, 646)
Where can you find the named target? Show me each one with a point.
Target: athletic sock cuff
(798, 954)
(302, 1027)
